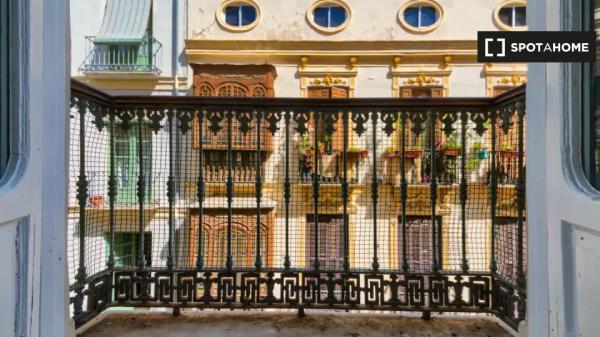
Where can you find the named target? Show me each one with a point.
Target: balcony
(429, 218)
(116, 58)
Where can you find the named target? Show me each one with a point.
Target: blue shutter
(248, 15)
(232, 15)
(428, 16)
(321, 16)
(411, 16)
(338, 16)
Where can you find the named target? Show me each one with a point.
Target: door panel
(33, 296)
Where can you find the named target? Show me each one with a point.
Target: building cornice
(201, 47)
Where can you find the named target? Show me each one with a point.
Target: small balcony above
(113, 58)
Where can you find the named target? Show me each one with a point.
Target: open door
(563, 198)
(34, 85)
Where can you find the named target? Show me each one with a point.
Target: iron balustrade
(348, 205)
(142, 57)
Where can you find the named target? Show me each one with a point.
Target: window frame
(588, 94)
(221, 15)
(513, 4)
(419, 4)
(310, 17)
(131, 141)
(13, 121)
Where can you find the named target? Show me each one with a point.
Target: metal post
(259, 116)
(403, 188)
(464, 117)
(287, 195)
(200, 192)
(374, 189)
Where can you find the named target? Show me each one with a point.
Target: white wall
(371, 20)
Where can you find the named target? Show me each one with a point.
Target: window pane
(232, 15)
(4, 85)
(428, 16)
(591, 101)
(321, 16)
(520, 16)
(338, 16)
(248, 15)
(411, 16)
(505, 15)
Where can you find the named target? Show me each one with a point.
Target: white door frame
(563, 209)
(34, 192)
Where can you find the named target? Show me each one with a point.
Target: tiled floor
(269, 324)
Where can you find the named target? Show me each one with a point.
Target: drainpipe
(175, 46)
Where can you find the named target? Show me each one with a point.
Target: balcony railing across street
(144, 57)
(367, 204)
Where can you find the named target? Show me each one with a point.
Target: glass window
(126, 248)
(591, 101)
(421, 16)
(240, 15)
(127, 164)
(513, 16)
(330, 16)
(5, 83)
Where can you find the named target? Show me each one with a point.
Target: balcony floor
(267, 324)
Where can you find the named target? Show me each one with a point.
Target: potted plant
(96, 200)
(481, 152)
(508, 151)
(451, 147)
(354, 151)
(411, 152)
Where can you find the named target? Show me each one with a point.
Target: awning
(125, 21)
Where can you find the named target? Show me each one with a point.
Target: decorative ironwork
(246, 241)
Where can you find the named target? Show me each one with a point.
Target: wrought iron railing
(366, 204)
(142, 57)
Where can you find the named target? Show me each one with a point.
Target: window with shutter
(419, 251)
(506, 246)
(243, 238)
(331, 240)
(126, 247)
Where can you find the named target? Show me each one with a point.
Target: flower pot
(357, 154)
(451, 152)
(97, 201)
(407, 154)
(509, 154)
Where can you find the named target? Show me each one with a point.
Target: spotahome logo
(536, 46)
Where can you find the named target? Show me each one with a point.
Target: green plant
(304, 145)
(452, 142)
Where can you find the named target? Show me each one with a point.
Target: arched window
(329, 16)
(238, 15)
(420, 16)
(232, 90)
(511, 15)
(259, 91)
(205, 90)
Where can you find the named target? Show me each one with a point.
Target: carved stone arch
(204, 89)
(259, 91)
(232, 89)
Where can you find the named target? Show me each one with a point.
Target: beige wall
(370, 20)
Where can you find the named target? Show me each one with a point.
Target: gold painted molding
(199, 48)
(504, 76)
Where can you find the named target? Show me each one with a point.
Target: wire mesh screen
(217, 201)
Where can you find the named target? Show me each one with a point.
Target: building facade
(304, 49)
